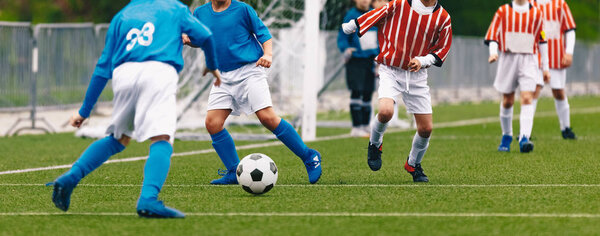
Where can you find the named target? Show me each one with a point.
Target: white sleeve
(493, 48)
(349, 27)
(544, 53)
(570, 41)
(426, 61)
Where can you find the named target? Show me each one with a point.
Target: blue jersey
(365, 46)
(147, 30)
(238, 31)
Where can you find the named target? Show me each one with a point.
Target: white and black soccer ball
(257, 173)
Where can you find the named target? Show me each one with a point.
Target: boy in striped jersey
(515, 30)
(559, 27)
(413, 35)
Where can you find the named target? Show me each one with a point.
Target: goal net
(286, 22)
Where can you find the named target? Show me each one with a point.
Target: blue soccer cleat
(228, 177)
(313, 166)
(151, 208)
(525, 145)
(505, 143)
(61, 195)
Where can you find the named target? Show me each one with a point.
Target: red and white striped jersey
(517, 32)
(404, 34)
(557, 21)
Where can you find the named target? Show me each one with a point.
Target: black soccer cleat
(374, 156)
(567, 133)
(416, 172)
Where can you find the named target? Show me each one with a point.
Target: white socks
(377, 131)
(506, 116)
(526, 120)
(419, 147)
(534, 103)
(563, 112)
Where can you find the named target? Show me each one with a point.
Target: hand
(348, 54)
(76, 120)
(215, 73)
(414, 65)
(493, 58)
(349, 27)
(185, 39)
(546, 76)
(376, 70)
(265, 61)
(567, 60)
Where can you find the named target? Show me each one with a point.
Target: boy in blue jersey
(359, 54)
(142, 55)
(245, 51)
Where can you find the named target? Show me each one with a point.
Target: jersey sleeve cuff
(438, 61)
(487, 42)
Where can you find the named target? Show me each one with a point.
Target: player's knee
(270, 121)
(160, 138)
(124, 140)
(559, 94)
(213, 125)
(425, 130)
(385, 114)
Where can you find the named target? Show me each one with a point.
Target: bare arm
(267, 58)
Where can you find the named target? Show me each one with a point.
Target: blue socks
(225, 148)
(156, 169)
(288, 136)
(93, 157)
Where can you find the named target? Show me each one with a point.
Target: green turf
(460, 162)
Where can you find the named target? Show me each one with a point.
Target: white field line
(331, 214)
(334, 185)
(277, 143)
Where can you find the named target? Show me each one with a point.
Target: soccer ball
(257, 173)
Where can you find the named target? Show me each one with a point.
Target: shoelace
(222, 172)
(419, 170)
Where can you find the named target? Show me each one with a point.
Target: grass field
(473, 189)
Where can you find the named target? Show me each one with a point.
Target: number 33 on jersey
(143, 37)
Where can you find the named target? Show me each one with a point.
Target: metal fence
(66, 55)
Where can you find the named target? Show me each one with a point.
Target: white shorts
(558, 78)
(242, 90)
(516, 70)
(392, 82)
(144, 100)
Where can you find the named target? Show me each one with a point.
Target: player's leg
(506, 82)
(506, 118)
(93, 157)
(388, 90)
(288, 136)
(356, 113)
(367, 96)
(155, 174)
(354, 76)
(99, 151)
(528, 77)
(420, 144)
(418, 102)
(223, 144)
(526, 121)
(156, 119)
(561, 103)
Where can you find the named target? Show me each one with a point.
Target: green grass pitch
(473, 189)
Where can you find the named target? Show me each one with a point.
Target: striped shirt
(405, 34)
(517, 32)
(557, 21)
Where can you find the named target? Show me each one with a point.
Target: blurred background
(470, 17)
(48, 49)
